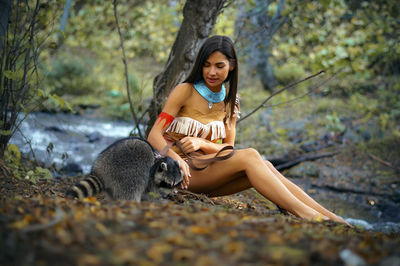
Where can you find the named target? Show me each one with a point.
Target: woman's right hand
(186, 173)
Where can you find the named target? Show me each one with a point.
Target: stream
(70, 143)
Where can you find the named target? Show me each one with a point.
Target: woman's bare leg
(303, 196)
(263, 179)
(236, 185)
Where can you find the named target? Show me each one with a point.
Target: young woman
(201, 115)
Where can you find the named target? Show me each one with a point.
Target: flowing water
(72, 142)
(63, 140)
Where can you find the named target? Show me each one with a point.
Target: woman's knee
(269, 164)
(249, 155)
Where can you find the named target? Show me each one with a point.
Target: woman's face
(215, 70)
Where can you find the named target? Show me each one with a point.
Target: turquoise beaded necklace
(209, 95)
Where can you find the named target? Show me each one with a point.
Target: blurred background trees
(278, 42)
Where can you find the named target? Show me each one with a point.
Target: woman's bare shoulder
(184, 88)
(182, 91)
(179, 96)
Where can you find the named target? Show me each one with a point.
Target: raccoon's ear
(164, 166)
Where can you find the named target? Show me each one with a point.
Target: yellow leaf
(92, 200)
(156, 251)
(102, 229)
(89, 259)
(175, 239)
(183, 254)
(199, 230)
(157, 224)
(234, 248)
(14, 152)
(78, 215)
(275, 239)
(22, 223)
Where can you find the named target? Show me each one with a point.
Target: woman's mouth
(211, 80)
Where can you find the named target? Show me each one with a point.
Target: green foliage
(21, 169)
(72, 75)
(14, 155)
(334, 124)
(148, 29)
(289, 72)
(337, 34)
(225, 24)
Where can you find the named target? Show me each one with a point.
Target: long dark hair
(224, 45)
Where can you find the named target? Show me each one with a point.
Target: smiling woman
(200, 117)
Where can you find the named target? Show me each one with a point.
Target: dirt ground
(38, 226)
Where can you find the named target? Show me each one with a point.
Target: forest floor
(38, 226)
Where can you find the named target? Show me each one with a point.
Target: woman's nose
(213, 71)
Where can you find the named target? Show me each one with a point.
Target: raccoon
(128, 169)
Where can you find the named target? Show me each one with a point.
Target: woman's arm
(191, 144)
(175, 101)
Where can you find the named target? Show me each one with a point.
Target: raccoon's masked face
(168, 174)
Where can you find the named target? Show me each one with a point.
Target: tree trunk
(5, 10)
(63, 22)
(255, 29)
(199, 18)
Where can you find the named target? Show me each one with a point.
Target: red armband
(164, 116)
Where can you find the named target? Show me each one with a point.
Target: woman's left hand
(191, 144)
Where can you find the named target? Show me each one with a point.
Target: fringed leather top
(193, 123)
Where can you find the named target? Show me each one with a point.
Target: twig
(38, 227)
(382, 161)
(279, 91)
(198, 196)
(29, 142)
(126, 70)
(305, 94)
(304, 158)
(6, 171)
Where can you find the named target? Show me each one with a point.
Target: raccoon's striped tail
(89, 186)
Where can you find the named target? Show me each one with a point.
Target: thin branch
(315, 88)
(383, 162)
(39, 227)
(279, 91)
(300, 159)
(126, 70)
(29, 142)
(197, 196)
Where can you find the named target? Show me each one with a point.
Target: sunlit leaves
(333, 31)
(14, 75)
(13, 153)
(148, 28)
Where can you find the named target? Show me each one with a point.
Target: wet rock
(94, 136)
(54, 129)
(71, 169)
(359, 223)
(389, 211)
(387, 228)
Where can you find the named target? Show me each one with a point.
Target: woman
(201, 114)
